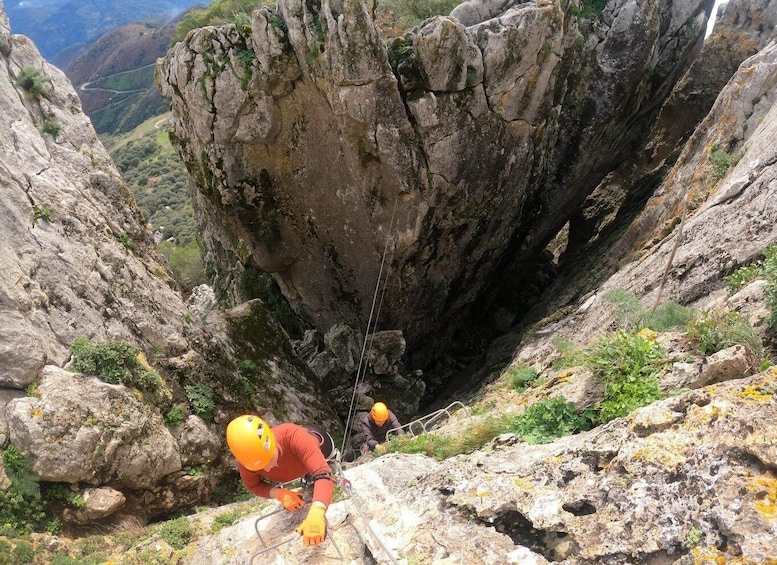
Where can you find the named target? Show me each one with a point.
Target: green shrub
(744, 275)
(629, 366)
(521, 377)
(5, 553)
(23, 553)
(592, 9)
(247, 368)
(62, 492)
(18, 467)
(115, 362)
(721, 162)
(40, 213)
(22, 509)
(549, 419)
(178, 533)
(571, 354)
(693, 538)
(201, 399)
(413, 12)
(541, 422)
(435, 446)
(631, 315)
(242, 23)
(51, 127)
(667, 316)
(64, 558)
(34, 81)
(225, 519)
(246, 58)
(33, 390)
(766, 268)
(147, 556)
(231, 490)
(174, 416)
(220, 12)
(124, 239)
(719, 329)
(627, 308)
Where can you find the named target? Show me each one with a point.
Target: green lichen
(243, 251)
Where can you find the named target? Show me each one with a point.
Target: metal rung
(266, 548)
(259, 519)
(428, 420)
(270, 548)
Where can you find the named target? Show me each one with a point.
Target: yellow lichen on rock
(754, 395)
(523, 483)
(666, 455)
(765, 490)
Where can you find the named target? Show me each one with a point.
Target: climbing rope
(361, 369)
(345, 484)
(347, 487)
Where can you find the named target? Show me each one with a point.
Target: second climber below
(376, 424)
(282, 454)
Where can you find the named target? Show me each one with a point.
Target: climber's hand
(290, 499)
(313, 528)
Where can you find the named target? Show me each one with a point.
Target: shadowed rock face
(457, 151)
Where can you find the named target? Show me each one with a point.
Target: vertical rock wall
(466, 144)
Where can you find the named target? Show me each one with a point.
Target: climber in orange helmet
(285, 453)
(375, 424)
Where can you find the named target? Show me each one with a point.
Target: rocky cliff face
(455, 152)
(76, 261)
(686, 480)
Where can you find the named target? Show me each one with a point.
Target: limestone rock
(342, 358)
(67, 211)
(201, 301)
(639, 485)
(84, 430)
(6, 395)
(197, 443)
(457, 150)
(100, 502)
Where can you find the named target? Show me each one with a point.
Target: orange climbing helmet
(251, 441)
(379, 413)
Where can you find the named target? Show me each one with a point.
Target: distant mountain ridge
(60, 28)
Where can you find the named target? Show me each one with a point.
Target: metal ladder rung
(290, 539)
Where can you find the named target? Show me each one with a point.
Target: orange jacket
(298, 455)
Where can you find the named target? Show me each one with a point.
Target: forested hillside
(158, 181)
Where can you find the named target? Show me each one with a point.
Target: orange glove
(290, 499)
(313, 528)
